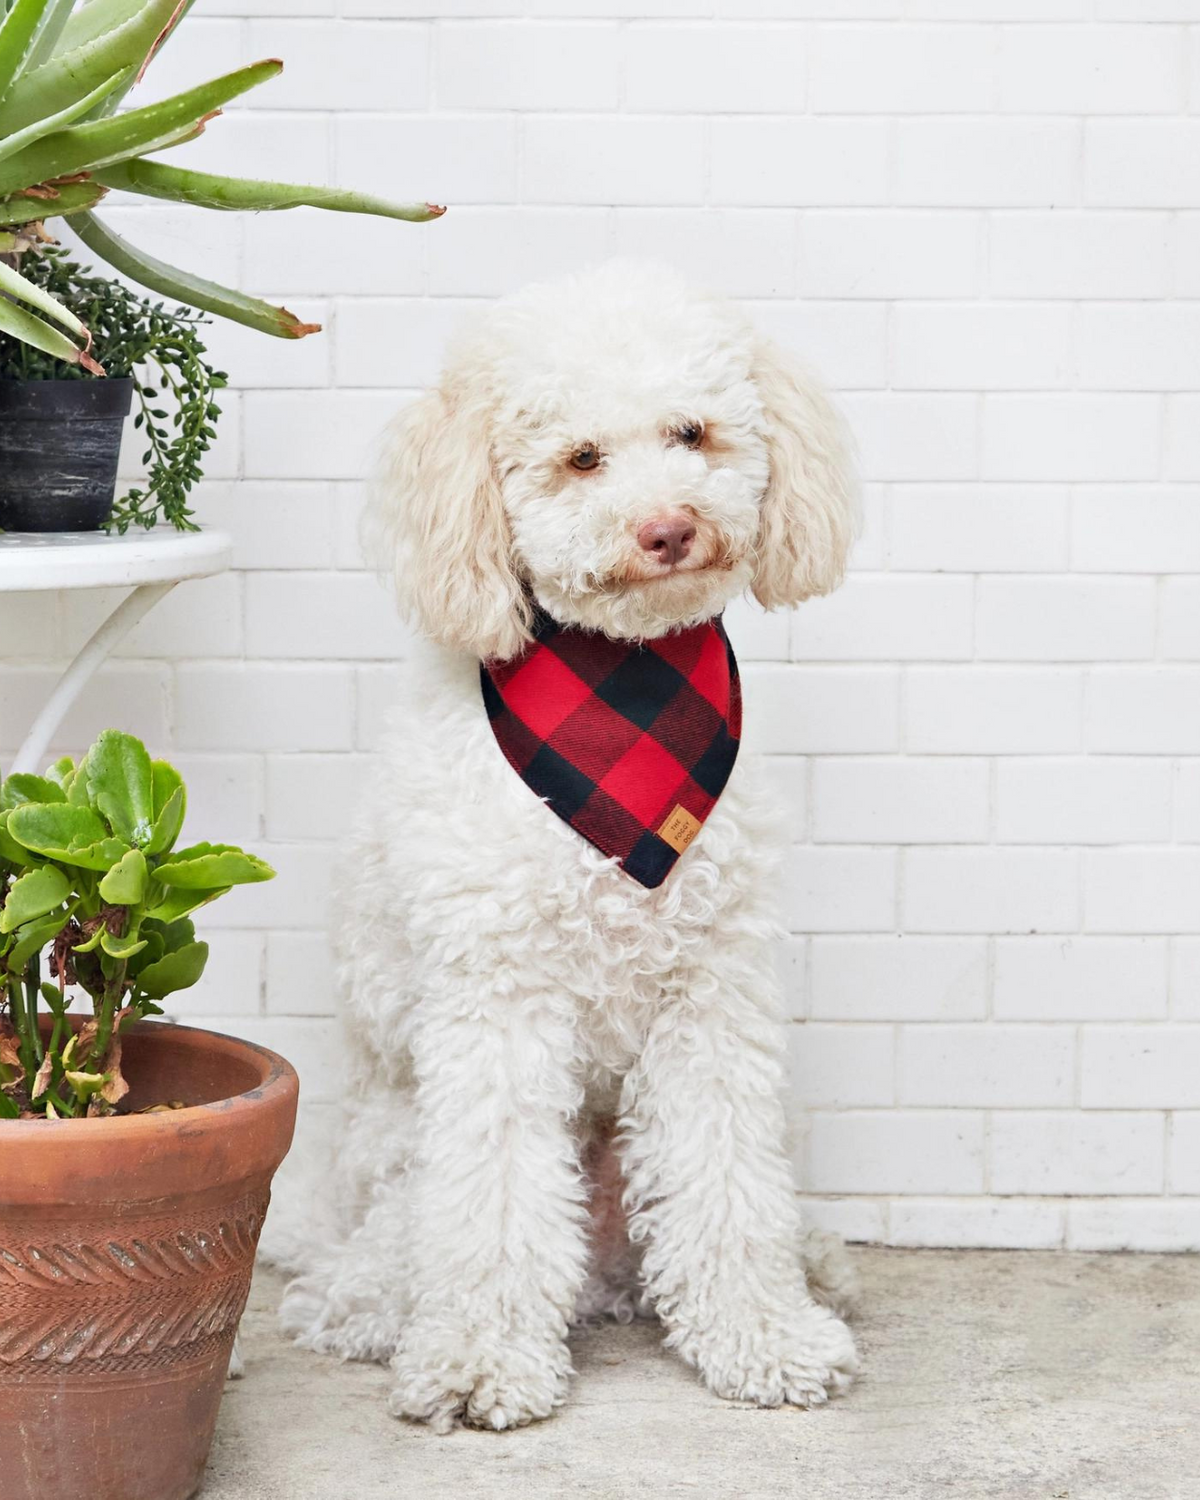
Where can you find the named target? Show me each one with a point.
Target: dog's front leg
(498, 1252)
(713, 1198)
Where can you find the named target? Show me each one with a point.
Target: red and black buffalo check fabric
(629, 744)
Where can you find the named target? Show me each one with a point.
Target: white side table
(149, 563)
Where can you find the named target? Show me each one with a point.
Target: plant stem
(16, 1009)
(33, 983)
(107, 1014)
(56, 1034)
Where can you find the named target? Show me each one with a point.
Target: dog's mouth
(671, 571)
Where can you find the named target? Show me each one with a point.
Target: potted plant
(65, 66)
(135, 1157)
(60, 429)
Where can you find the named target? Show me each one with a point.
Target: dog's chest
(487, 878)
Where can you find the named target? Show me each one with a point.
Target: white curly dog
(565, 1086)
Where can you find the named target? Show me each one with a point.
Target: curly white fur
(525, 1021)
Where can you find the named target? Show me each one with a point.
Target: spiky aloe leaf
(18, 34)
(15, 285)
(156, 179)
(81, 62)
(89, 22)
(183, 286)
(55, 18)
(30, 329)
(82, 148)
(114, 100)
(51, 201)
(19, 139)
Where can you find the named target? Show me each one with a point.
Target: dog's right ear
(438, 515)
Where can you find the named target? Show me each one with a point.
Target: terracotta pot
(126, 1247)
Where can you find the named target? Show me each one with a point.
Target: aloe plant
(65, 67)
(90, 877)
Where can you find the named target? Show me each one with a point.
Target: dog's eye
(586, 457)
(690, 434)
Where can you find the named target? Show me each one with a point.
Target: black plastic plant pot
(59, 441)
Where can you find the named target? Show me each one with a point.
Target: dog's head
(624, 451)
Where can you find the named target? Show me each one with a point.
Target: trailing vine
(162, 351)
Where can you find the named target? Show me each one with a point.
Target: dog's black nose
(670, 538)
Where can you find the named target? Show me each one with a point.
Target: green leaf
(156, 179)
(29, 329)
(84, 1084)
(152, 950)
(125, 883)
(184, 286)
(69, 198)
(121, 947)
(42, 826)
(165, 782)
(154, 127)
(54, 19)
(168, 823)
(18, 33)
(205, 866)
(34, 894)
(175, 971)
(61, 773)
(32, 938)
(23, 786)
(15, 285)
(82, 61)
(9, 1108)
(181, 10)
(71, 835)
(54, 997)
(120, 785)
(14, 853)
(77, 792)
(178, 902)
(93, 19)
(173, 934)
(170, 804)
(19, 139)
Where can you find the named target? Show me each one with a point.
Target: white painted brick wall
(981, 220)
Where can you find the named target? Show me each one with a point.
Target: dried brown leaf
(115, 1087)
(41, 1079)
(10, 1054)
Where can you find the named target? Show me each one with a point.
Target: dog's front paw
(799, 1361)
(446, 1376)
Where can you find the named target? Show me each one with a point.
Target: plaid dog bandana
(629, 744)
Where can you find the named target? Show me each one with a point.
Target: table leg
(72, 682)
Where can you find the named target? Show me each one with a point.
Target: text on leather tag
(679, 828)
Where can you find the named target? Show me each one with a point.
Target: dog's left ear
(809, 512)
(438, 517)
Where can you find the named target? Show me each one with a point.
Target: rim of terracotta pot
(123, 1158)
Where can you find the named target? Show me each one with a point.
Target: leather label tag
(679, 828)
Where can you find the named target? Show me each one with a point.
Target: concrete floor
(998, 1375)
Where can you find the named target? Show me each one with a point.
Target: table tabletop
(32, 560)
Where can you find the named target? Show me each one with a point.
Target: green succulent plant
(65, 67)
(90, 876)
